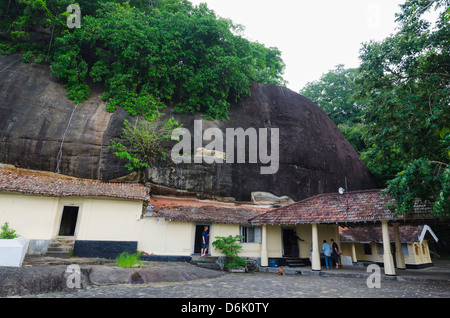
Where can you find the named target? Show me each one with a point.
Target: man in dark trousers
(335, 250)
(205, 237)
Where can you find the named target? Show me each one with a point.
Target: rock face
(314, 156)
(35, 116)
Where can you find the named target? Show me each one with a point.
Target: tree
(148, 54)
(404, 82)
(428, 181)
(333, 93)
(354, 133)
(44, 17)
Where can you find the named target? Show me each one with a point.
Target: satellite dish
(341, 190)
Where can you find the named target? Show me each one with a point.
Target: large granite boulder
(314, 156)
(41, 129)
(36, 117)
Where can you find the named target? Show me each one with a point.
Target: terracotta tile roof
(408, 234)
(50, 184)
(353, 207)
(183, 209)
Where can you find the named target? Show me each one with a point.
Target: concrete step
(295, 263)
(60, 248)
(209, 265)
(196, 259)
(205, 262)
(63, 242)
(59, 254)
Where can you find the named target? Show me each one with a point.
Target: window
(251, 234)
(405, 249)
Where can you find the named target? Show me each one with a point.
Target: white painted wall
(39, 217)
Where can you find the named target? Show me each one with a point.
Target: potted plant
(12, 247)
(230, 246)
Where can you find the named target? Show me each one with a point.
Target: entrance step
(61, 248)
(295, 263)
(202, 259)
(205, 262)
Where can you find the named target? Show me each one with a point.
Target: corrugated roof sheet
(48, 184)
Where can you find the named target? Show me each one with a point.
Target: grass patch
(128, 260)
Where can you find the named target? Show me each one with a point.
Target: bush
(230, 247)
(8, 233)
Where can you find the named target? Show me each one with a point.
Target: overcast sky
(313, 36)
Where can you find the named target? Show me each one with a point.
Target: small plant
(230, 246)
(143, 142)
(3, 49)
(7, 233)
(27, 56)
(128, 260)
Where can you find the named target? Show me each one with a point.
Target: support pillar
(315, 254)
(399, 257)
(389, 268)
(264, 258)
(354, 259)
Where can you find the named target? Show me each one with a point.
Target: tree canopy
(148, 54)
(405, 82)
(334, 93)
(398, 100)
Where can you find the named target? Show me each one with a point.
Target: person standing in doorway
(336, 252)
(293, 240)
(205, 240)
(326, 248)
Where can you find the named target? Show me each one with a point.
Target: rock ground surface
(44, 277)
(46, 274)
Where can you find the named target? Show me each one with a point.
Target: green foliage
(354, 133)
(333, 92)
(404, 83)
(395, 108)
(22, 17)
(142, 142)
(7, 233)
(230, 246)
(128, 260)
(26, 57)
(70, 68)
(428, 182)
(148, 54)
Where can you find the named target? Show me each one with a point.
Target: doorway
(290, 244)
(68, 221)
(198, 238)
